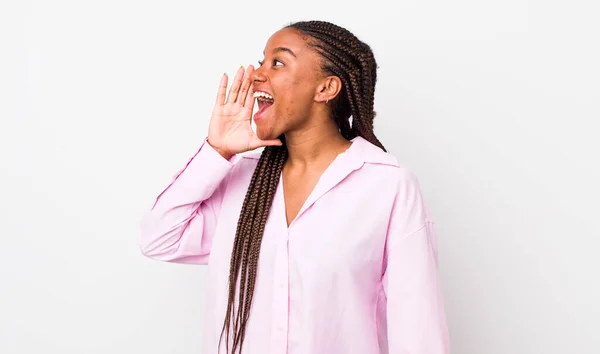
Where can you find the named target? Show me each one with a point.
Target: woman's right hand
(230, 130)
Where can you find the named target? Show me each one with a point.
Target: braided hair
(346, 57)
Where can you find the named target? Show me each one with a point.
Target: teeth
(258, 94)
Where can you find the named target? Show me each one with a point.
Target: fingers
(246, 86)
(249, 103)
(235, 86)
(275, 142)
(221, 93)
(257, 143)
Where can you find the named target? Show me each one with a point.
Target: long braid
(246, 245)
(346, 57)
(354, 63)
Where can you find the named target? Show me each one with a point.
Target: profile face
(285, 84)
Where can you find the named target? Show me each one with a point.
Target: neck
(314, 146)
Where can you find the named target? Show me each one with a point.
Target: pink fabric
(355, 273)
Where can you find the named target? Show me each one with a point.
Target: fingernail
(242, 67)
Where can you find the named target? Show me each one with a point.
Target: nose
(258, 76)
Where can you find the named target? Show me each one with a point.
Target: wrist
(225, 154)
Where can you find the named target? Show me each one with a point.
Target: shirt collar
(360, 152)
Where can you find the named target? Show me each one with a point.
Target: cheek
(297, 99)
(290, 113)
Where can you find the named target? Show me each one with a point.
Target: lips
(265, 101)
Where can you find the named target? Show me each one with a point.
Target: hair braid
(354, 63)
(346, 57)
(246, 245)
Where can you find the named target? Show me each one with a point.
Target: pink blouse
(354, 273)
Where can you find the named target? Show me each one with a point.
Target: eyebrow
(283, 49)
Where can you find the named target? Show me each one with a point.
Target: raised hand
(230, 130)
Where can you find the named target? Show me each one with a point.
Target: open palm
(230, 130)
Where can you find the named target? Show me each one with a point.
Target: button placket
(280, 299)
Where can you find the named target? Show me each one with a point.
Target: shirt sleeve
(180, 226)
(416, 320)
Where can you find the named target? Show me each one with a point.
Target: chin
(265, 130)
(266, 134)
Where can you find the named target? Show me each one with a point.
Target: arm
(416, 319)
(180, 225)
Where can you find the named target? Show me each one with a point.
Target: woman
(320, 244)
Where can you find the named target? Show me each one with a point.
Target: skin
(301, 111)
(301, 91)
(291, 72)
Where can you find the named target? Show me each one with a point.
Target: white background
(493, 104)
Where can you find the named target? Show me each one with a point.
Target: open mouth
(264, 101)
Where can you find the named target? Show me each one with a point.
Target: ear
(328, 90)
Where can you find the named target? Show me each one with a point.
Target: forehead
(288, 38)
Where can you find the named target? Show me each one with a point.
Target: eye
(275, 63)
